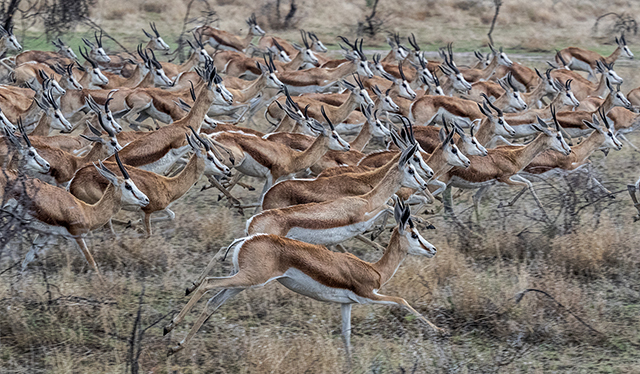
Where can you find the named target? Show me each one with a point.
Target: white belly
(299, 90)
(253, 168)
(332, 235)
(160, 116)
(166, 162)
(299, 282)
(461, 183)
(576, 132)
(576, 64)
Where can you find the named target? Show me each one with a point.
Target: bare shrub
(280, 16)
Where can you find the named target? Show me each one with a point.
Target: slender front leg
(382, 299)
(87, 255)
(345, 310)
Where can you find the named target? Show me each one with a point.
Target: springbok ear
(297, 47)
(147, 34)
(590, 125)
(106, 173)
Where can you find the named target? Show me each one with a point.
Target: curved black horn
(326, 118)
(122, 169)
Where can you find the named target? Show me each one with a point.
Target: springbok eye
(411, 171)
(31, 154)
(454, 150)
(500, 121)
(515, 95)
(210, 158)
(218, 89)
(334, 136)
(414, 235)
(128, 187)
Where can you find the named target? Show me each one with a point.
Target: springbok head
(555, 140)
(470, 145)
(619, 99)
(203, 56)
(210, 155)
(51, 83)
(64, 49)
(254, 28)
(387, 103)
(9, 39)
(362, 96)
(483, 60)
(550, 86)
(68, 81)
(378, 130)
(407, 139)
(400, 52)
(52, 109)
(307, 54)
(568, 98)
(410, 177)
(404, 89)
(608, 131)
(336, 143)
(501, 127)
(131, 195)
(451, 153)
(111, 143)
(160, 78)
(107, 117)
(622, 44)
(416, 55)
(358, 58)
(155, 41)
(269, 71)
(451, 71)
(97, 78)
(501, 56)
(411, 240)
(32, 160)
(214, 86)
(607, 70)
(280, 51)
(316, 44)
(97, 53)
(515, 102)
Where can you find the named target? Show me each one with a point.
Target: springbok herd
(68, 166)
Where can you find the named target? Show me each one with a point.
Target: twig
(519, 297)
(498, 4)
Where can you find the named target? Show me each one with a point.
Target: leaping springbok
(310, 270)
(575, 58)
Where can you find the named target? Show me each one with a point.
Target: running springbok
(220, 39)
(310, 270)
(162, 191)
(582, 59)
(332, 222)
(54, 210)
(155, 41)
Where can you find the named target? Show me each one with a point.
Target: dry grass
(57, 318)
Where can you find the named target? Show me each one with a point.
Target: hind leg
(212, 305)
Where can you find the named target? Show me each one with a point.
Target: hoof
(431, 227)
(189, 290)
(165, 331)
(173, 350)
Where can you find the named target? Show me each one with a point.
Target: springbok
(161, 191)
(310, 270)
(96, 53)
(220, 39)
(582, 59)
(262, 158)
(502, 164)
(53, 209)
(155, 41)
(332, 222)
(8, 41)
(584, 88)
(549, 162)
(64, 55)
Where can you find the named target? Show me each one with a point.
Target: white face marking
(131, 195)
(161, 79)
(412, 179)
(418, 245)
(503, 128)
(336, 143)
(454, 157)
(378, 130)
(58, 122)
(363, 69)
(418, 163)
(35, 162)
